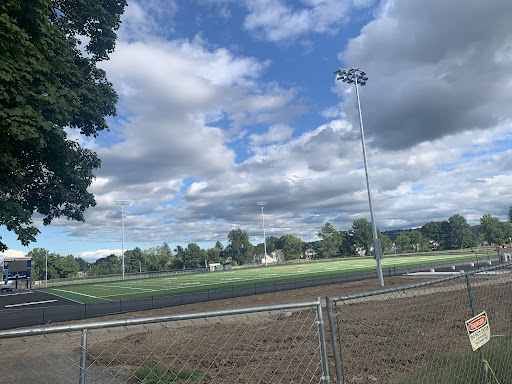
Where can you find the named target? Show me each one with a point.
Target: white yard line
(82, 294)
(123, 287)
(18, 293)
(32, 303)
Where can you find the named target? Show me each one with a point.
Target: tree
(491, 229)
(218, 245)
(331, 241)
(110, 265)
(134, 261)
(403, 243)
(39, 257)
(460, 234)
(271, 243)
(412, 241)
(362, 234)
(159, 258)
(213, 254)
(49, 84)
(67, 266)
(418, 242)
(239, 247)
(83, 265)
(291, 246)
(193, 256)
(385, 241)
(510, 214)
(435, 232)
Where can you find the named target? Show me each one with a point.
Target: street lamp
(356, 76)
(262, 204)
(123, 203)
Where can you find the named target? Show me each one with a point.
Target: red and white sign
(478, 330)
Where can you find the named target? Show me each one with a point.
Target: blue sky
(226, 103)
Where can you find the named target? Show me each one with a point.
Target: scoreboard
(15, 269)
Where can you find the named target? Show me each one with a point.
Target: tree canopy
(50, 82)
(239, 247)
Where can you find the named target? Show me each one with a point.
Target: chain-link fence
(273, 344)
(417, 333)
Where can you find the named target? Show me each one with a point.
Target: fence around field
(44, 315)
(417, 333)
(273, 344)
(413, 334)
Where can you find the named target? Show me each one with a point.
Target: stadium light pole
(356, 76)
(262, 204)
(122, 203)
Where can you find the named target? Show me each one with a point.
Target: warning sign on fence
(478, 330)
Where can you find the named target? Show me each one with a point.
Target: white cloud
(275, 134)
(11, 253)
(279, 20)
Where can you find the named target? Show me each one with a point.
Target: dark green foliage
(193, 256)
(459, 233)
(47, 85)
(154, 374)
(331, 241)
(239, 247)
(491, 229)
(291, 246)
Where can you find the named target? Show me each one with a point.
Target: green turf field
(212, 281)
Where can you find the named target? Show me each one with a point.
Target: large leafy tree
(491, 228)
(331, 242)
(193, 256)
(51, 82)
(460, 234)
(239, 247)
(510, 214)
(362, 234)
(291, 246)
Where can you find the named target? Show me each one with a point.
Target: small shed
(216, 267)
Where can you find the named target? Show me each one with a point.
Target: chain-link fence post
(321, 339)
(337, 362)
(83, 356)
(473, 313)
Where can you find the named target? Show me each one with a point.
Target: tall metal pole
(262, 204)
(356, 76)
(46, 271)
(122, 203)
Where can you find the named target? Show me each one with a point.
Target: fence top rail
(149, 320)
(352, 296)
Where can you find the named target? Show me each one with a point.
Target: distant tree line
(454, 233)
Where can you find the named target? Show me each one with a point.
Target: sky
(224, 103)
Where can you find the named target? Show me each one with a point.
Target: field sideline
(213, 281)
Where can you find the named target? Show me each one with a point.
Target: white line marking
(18, 293)
(123, 287)
(83, 294)
(65, 298)
(34, 302)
